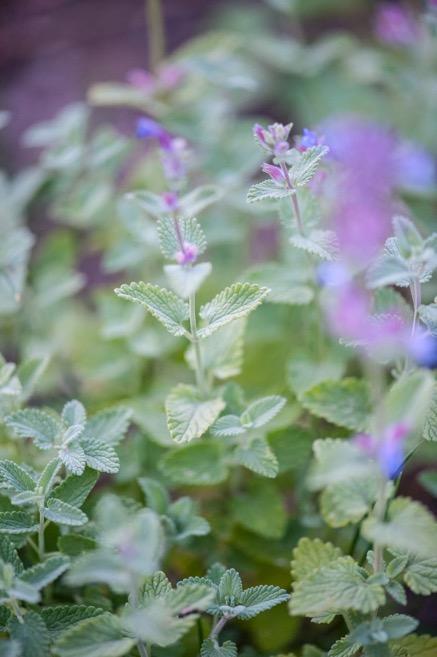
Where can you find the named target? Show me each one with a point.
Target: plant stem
(41, 545)
(379, 511)
(142, 649)
(218, 627)
(16, 609)
(294, 200)
(155, 32)
(200, 374)
(416, 298)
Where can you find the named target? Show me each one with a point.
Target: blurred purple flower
(395, 25)
(415, 166)
(149, 129)
(363, 156)
(422, 348)
(274, 172)
(141, 79)
(187, 254)
(332, 274)
(174, 158)
(388, 449)
(171, 201)
(307, 140)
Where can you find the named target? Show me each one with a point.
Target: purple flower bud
(141, 79)
(171, 76)
(395, 25)
(274, 172)
(281, 149)
(188, 254)
(260, 134)
(149, 129)
(171, 201)
(422, 348)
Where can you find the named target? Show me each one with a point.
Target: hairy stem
(416, 298)
(16, 610)
(41, 543)
(294, 200)
(218, 628)
(200, 374)
(142, 649)
(156, 33)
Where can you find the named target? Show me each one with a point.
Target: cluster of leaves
(233, 401)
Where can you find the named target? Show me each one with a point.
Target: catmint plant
(389, 411)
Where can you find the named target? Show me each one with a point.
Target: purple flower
(422, 348)
(307, 140)
(274, 172)
(187, 254)
(387, 449)
(395, 25)
(363, 160)
(148, 128)
(171, 201)
(141, 79)
(415, 166)
(274, 138)
(174, 158)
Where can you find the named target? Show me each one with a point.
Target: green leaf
(262, 411)
(75, 544)
(344, 403)
(398, 625)
(185, 281)
(311, 554)
(258, 457)
(428, 315)
(189, 413)
(108, 426)
(306, 166)
(74, 490)
(305, 372)
(100, 636)
(99, 566)
(48, 476)
(184, 518)
(261, 510)
(73, 457)
(62, 617)
(345, 647)
(10, 648)
(348, 501)
(164, 305)
(232, 303)
(14, 477)
(17, 522)
(409, 399)
(42, 427)
(260, 598)
(8, 554)
(156, 495)
(420, 575)
(287, 286)
(267, 190)
(415, 646)
(32, 635)
(199, 464)
(230, 586)
(338, 461)
(101, 456)
(321, 243)
(74, 413)
(63, 513)
(410, 527)
(189, 231)
(430, 426)
(43, 573)
(211, 648)
(333, 588)
(199, 199)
